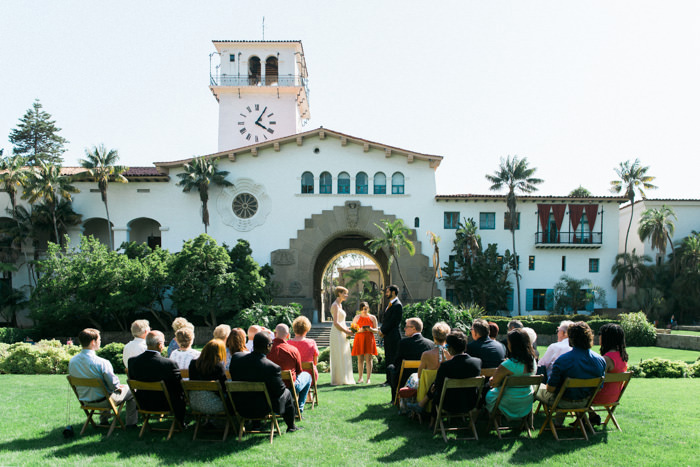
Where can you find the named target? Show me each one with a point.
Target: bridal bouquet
(354, 327)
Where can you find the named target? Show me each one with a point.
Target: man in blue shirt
(87, 364)
(579, 362)
(490, 352)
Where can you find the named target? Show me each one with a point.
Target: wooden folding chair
(513, 382)
(488, 372)
(561, 405)
(169, 413)
(185, 373)
(234, 387)
(287, 376)
(314, 390)
(443, 415)
(624, 379)
(90, 408)
(215, 387)
(405, 364)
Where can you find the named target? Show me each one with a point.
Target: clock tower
(261, 87)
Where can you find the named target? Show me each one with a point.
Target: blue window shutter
(590, 304)
(528, 300)
(549, 300)
(509, 301)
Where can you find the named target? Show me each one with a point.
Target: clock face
(257, 123)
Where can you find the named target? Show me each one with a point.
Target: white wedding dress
(341, 360)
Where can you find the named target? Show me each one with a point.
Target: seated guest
(555, 350)
(579, 362)
(410, 347)
(514, 324)
(461, 365)
(221, 332)
(490, 352)
(533, 340)
(614, 351)
(209, 366)
(252, 331)
(87, 364)
(150, 367)
(256, 367)
(185, 354)
(235, 344)
(137, 346)
(288, 358)
(431, 360)
(493, 334)
(306, 347)
(178, 323)
(516, 402)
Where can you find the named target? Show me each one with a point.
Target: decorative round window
(245, 205)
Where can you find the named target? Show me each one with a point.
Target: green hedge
(113, 352)
(378, 361)
(12, 335)
(547, 325)
(638, 330)
(43, 358)
(662, 368)
(268, 316)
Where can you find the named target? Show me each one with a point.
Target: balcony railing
(231, 80)
(568, 238)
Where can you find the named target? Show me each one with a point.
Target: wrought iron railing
(231, 80)
(568, 238)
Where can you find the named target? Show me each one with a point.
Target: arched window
(397, 184)
(253, 70)
(343, 183)
(379, 183)
(361, 183)
(307, 182)
(326, 183)
(416, 222)
(271, 72)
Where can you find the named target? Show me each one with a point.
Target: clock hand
(261, 115)
(261, 125)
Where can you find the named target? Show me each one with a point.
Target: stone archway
(297, 269)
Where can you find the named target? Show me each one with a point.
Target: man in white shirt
(554, 350)
(137, 346)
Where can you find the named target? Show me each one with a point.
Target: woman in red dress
(364, 346)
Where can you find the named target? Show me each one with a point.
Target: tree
(686, 287)
(49, 185)
(632, 177)
(572, 295)
(201, 280)
(393, 237)
(198, 175)
(515, 175)
(252, 280)
(629, 268)
(101, 166)
(657, 225)
(580, 192)
(11, 301)
(356, 278)
(36, 137)
(13, 175)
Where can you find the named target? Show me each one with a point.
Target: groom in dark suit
(151, 366)
(255, 366)
(390, 327)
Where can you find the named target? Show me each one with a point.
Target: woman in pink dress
(307, 347)
(364, 346)
(614, 350)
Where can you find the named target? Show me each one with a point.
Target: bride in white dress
(341, 360)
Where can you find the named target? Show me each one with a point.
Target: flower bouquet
(354, 327)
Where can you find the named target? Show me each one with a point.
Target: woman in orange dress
(364, 346)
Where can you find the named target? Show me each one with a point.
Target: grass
(636, 354)
(686, 333)
(352, 425)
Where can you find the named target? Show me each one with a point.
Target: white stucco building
(303, 197)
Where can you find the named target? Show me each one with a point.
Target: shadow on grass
(415, 441)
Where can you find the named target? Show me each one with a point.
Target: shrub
(3, 352)
(114, 353)
(662, 368)
(378, 361)
(438, 309)
(638, 330)
(12, 335)
(694, 370)
(323, 367)
(268, 316)
(45, 358)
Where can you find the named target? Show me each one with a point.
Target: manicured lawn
(686, 333)
(351, 426)
(643, 353)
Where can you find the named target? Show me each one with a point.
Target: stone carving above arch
(283, 257)
(352, 213)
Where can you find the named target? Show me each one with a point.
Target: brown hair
(481, 327)
(301, 325)
(521, 348)
(493, 330)
(213, 353)
(236, 341)
(184, 337)
(580, 335)
(340, 289)
(88, 335)
(440, 332)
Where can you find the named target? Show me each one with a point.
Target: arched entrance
(298, 269)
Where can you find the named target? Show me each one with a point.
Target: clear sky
(576, 87)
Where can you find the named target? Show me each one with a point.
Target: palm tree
(393, 237)
(198, 175)
(435, 240)
(629, 268)
(517, 176)
(657, 225)
(632, 177)
(356, 278)
(14, 175)
(49, 185)
(101, 166)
